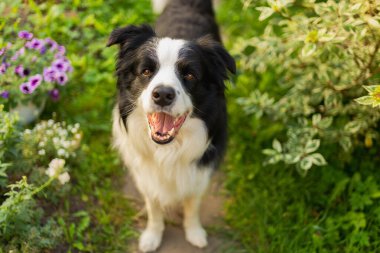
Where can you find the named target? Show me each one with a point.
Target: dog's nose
(163, 95)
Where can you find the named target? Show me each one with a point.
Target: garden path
(174, 238)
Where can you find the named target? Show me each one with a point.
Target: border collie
(170, 121)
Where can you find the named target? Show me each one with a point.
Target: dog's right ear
(130, 33)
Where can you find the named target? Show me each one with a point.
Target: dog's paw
(150, 240)
(197, 236)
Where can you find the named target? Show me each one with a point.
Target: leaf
(312, 145)
(266, 12)
(372, 22)
(346, 143)
(338, 189)
(308, 49)
(269, 152)
(366, 100)
(318, 159)
(291, 158)
(352, 126)
(277, 146)
(316, 119)
(306, 163)
(371, 88)
(325, 123)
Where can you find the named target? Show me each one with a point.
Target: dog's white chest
(168, 173)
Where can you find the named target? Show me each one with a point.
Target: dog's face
(170, 80)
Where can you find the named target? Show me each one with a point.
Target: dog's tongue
(162, 122)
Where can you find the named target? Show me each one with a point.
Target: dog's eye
(189, 77)
(147, 72)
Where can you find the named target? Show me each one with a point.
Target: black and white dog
(170, 122)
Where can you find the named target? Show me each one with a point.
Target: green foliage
(302, 68)
(93, 214)
(373, 97)
(320, 61)
(21, 229)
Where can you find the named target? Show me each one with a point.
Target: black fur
(189, 20)
(202, 56)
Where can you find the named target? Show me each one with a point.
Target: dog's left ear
(217, 55)
(130, 33)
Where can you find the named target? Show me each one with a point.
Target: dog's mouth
(164, 127)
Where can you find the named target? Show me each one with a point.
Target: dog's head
(169, 79)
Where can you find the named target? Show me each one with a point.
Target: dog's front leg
(194, 231)
(151, 238)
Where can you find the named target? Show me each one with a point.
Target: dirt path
(174, 238)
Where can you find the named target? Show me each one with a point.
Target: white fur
(167, 53)
(159, 5)
(166, 173)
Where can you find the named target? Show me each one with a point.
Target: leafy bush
(24, 225)
(303, 65)
(321, 54)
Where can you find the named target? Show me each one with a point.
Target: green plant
(321, 54)
(21, 226)
(277, 205)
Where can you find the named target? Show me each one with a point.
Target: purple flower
(49, 74)
(26, 72)
(54, 94)
(25, 35)
(60, 65)
(34, 44)
(43, 50)
(61, 50)
(51, 44)
(5, 94)
(19, 70)
(21, 51)
(15, 57)
(3, 67)
(35, 81)
(2, 51)
(25, 88)
(61, 78)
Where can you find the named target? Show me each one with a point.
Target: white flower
(41, 144)
(64, 178)
(65, 144)
(61, 152)
(27, 131)
(55, 166)
(41, 152)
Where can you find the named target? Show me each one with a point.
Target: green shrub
(302, 67)
(321, 55)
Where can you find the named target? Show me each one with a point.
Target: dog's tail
(159, 5)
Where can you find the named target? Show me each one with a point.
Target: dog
(170, 120)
